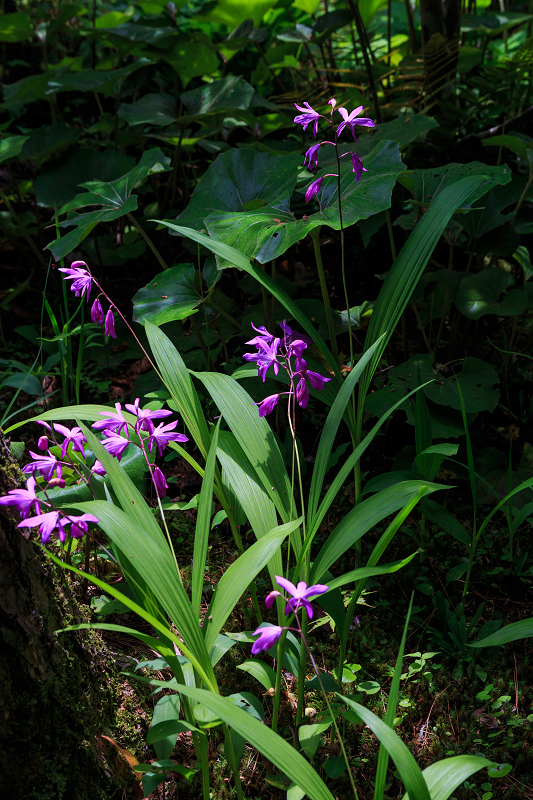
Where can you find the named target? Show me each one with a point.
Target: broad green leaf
(444, 777)
(150, 109)
(162, 730)
(487, 292)
(267, 233)
(235, 179)
(254, 434)
(166, 709)
(89, 412)
(493, 23)
(43, 141)
(427, 184)
(509, 633)
(311, 737)
(191, 56)
(11, 147)
(428, 462)
(84, 225)
(261, 671)
(409, 770)
(362, 518)
(240, 574)
(15, 27)
(233, 12)
(272, 746)
(58, 182)
(439, 515)
(513, 143)
(171, 295)
(232, 92)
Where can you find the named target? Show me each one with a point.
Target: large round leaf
(171, 295)
(486, 293)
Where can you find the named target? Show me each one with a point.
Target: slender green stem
(277, 685)
(315, 238)
(302, 672)
(148, 241)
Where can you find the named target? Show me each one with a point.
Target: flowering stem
(315, 237)
(302, 669)
(277, 686)
(317, 673)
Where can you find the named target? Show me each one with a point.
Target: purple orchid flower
(266, 358)
(98, 469)
(97, 312)
(113, 421)
(309, 115)
(311, 155)
(74, 435)
(46, 465)
(301, 595)
(268, 405)
(23, 499)
(115, 444)
(82, 278)
(42, 442)
(357, 166)
(302, 393)
(109, 325)
(349, 121)
(313, 188)
(53, 520)
(268, 635)
(145, 416)
(160, 483)
(162, 435)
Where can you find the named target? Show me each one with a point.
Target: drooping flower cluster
(82, 282)
(301, 596)
(285, 352)
(349, 120)
(46, 470)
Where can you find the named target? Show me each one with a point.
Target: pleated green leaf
(89, 412)
(444, 777)
(362, 573)
(260, 736)
(409, 770)
(203, 524)
(253, 434)
(510, 633)
(178, 381)
(329, 431)
(409, 266)
(362, 518)
(239, 575)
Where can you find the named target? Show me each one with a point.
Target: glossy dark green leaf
(269, 232)
(171, 295)
(45, 140)
(15, 27)
(84, 224)
(59, 182)
(190, 57)
(151, 109)
(426, 184)
(487, 293)
(11, 147)
(228, 93)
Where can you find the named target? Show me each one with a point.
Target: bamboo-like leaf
(409, 770)
(241, 262)
(444, 777)
(178, 381)
(407, 270)
(239, 575)
(272, 746)
(253, 434)
(509, 633)
(362, 518)
(203, 524)
(329, 431)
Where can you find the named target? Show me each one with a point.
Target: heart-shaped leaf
(171, 295)
(486, 293)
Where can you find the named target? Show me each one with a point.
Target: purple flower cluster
(285, 352)
(117, 431)
(301, 596)
(49, 468)
(349, 120)
(82, 282)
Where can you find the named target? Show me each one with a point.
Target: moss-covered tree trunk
(55, 693)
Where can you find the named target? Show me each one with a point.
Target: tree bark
(55, 693)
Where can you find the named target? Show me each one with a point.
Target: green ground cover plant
(265, 365)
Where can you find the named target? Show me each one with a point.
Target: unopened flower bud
(42, 443)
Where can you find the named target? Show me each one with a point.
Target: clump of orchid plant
(349, 121)
(285, 352)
